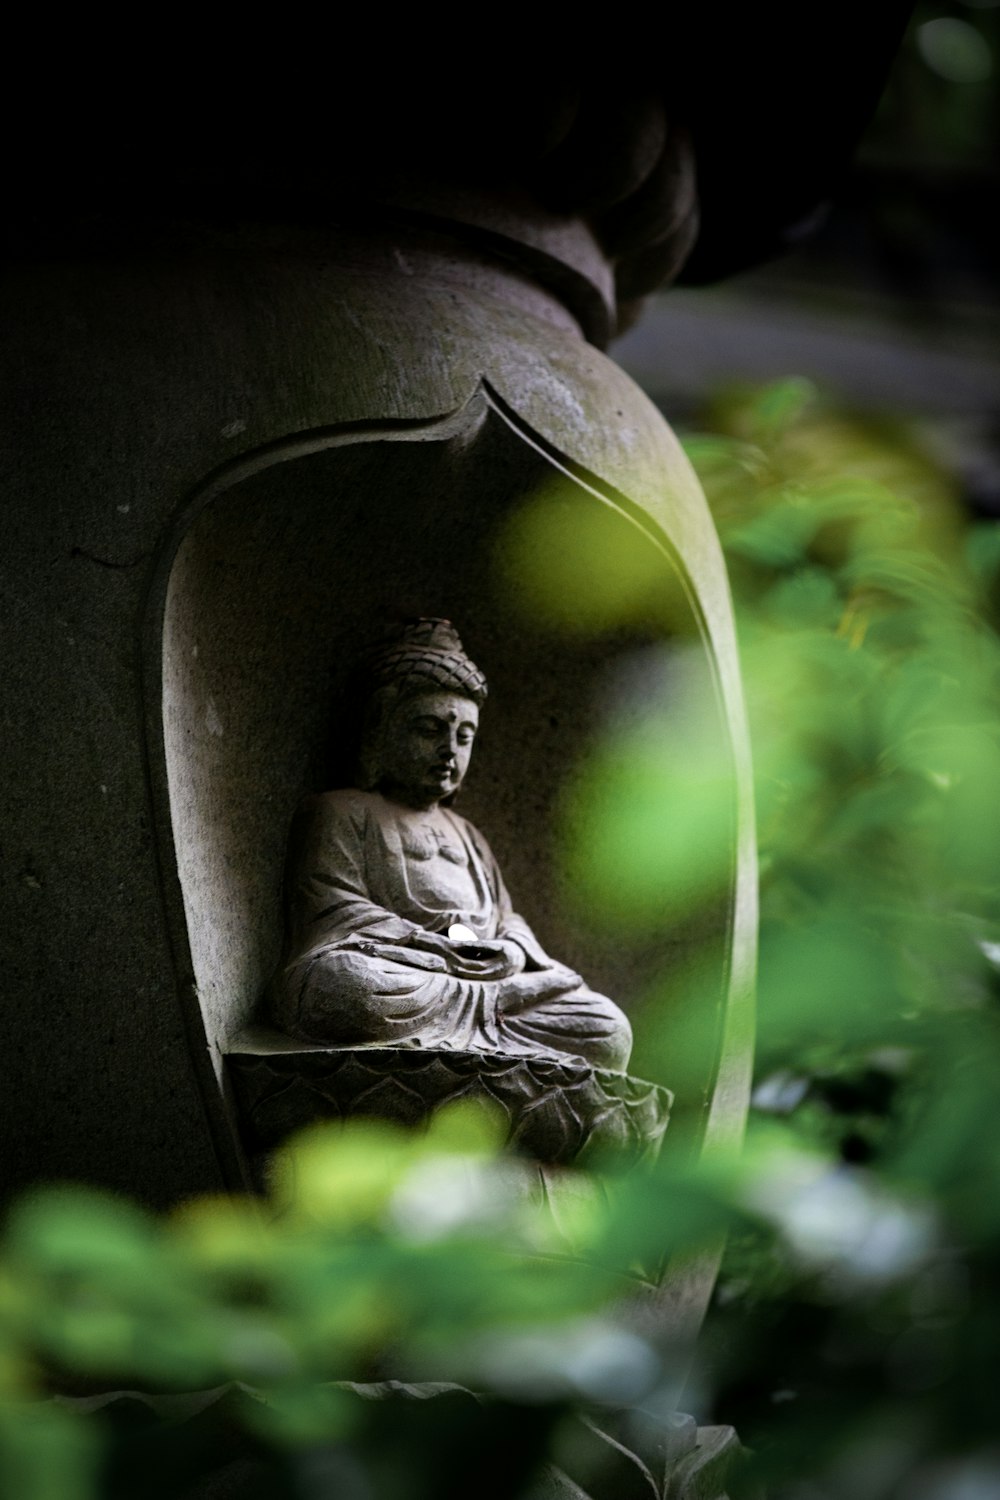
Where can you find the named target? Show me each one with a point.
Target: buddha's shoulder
(345, 805)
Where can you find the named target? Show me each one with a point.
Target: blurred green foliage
(853, 1354)
(378, 1255)
(853, 1335)
(941, 106)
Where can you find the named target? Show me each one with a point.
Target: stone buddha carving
(401, 931)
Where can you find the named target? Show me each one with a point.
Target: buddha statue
(401, 931)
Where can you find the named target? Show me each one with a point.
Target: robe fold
(367, 875)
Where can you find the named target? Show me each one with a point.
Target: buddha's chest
(428, 844)
(441, 871)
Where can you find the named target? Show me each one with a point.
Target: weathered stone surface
(707, 1471)
(677, 1460)
(475, 139)
(556, 1111)
(198, 1443)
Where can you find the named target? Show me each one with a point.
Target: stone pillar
(235, 450)
(237, 458)
(276, 316)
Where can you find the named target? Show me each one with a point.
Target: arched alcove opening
(280, 579)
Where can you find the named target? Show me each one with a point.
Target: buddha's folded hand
(495, 959)
(524, 991)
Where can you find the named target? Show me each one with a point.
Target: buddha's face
(425, 748)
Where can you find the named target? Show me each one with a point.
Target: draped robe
(366, 876)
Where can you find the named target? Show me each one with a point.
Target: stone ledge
(557, 1111)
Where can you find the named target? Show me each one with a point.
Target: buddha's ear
(369, 767)
(366, 774)
(374, 727)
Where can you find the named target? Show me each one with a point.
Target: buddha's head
(422, 713)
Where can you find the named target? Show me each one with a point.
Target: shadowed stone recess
(557, 1111)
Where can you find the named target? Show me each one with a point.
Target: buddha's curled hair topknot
(424, 655)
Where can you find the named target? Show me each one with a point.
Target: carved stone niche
(458, 400)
